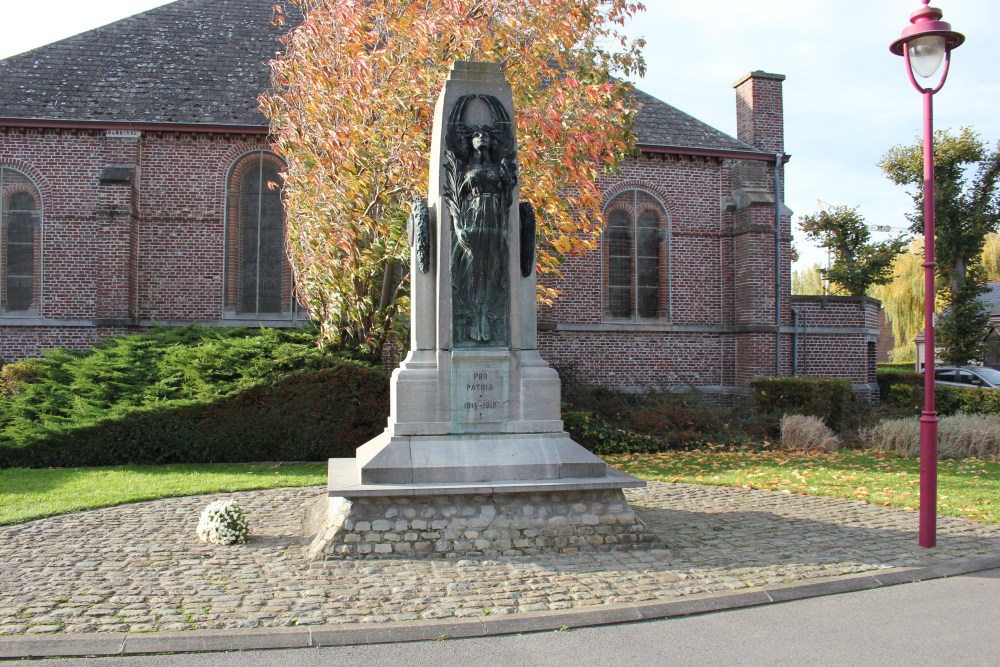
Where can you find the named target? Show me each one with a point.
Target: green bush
(967, 400)
(902, 396)
(602, 437)
(826, 398)
(193, 395)
(906, 390)
(605, 437)
(887, 379)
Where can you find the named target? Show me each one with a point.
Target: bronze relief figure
(481, 172)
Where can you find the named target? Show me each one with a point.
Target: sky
(846, 98)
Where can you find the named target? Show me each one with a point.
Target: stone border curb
(485, 626)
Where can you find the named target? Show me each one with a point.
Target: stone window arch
(20, 244)
(635, 257)
(258, 277)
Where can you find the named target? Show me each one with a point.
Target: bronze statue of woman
(481, 172)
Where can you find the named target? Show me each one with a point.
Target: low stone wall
(451, 526)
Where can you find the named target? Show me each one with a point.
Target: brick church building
(133, 171)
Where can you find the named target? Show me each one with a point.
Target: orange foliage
(352, 111)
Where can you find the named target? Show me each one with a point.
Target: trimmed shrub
(959, 436)
(906, 390)
(967, 400)
(889, 366)
(902, 398)
(805, 433)
(827, 398)
(304, 416)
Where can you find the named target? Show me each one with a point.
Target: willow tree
(352, 110)
(808, 281)
(903, 299)
(966, 210)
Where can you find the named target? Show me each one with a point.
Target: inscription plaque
(480, 394)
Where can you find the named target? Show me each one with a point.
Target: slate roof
(660, 124)
(205, 62)
(992, 298)
(191, 61)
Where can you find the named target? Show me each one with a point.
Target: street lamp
(924, 44)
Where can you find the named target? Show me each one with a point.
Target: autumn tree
(352, 110)
(857, 263)
(966, 210)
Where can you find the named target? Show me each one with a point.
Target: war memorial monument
(474, 460)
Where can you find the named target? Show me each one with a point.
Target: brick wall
(838, 337)
(117, 254)
(721, 328)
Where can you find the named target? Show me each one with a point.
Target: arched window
(635, 257)
(258, 275)
(21, 241)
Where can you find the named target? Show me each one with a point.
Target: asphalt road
(952, 622)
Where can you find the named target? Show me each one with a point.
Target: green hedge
(898, 387)
(906, 390)
(888, 366)
(968, 400)
(306, 416)
(604, 437)
(828, 398)
(193, 395)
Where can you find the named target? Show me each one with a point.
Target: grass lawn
(968, 488)
(34, 493)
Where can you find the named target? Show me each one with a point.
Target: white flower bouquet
(223, 522)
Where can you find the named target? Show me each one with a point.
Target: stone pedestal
(477, 519)
(474, 459)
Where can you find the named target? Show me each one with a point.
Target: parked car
(967, 376)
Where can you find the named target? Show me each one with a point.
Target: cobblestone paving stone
(141, 567)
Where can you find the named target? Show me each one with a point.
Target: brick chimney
(761, 303)
(759, 111)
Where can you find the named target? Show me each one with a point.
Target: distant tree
(857, 263)
(991, 257)
(966, 210)
(903, 299)
(352, 111)
(808, 281)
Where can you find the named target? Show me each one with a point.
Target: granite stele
(474, 461)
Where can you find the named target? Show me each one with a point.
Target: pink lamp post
(923, 45)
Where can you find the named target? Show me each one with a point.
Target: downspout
(777, 263)
(804, 342)
(795, 341)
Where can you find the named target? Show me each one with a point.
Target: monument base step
(454, 524)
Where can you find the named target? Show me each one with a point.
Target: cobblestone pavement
(141, 568)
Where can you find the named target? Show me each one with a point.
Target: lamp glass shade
(926, 54)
